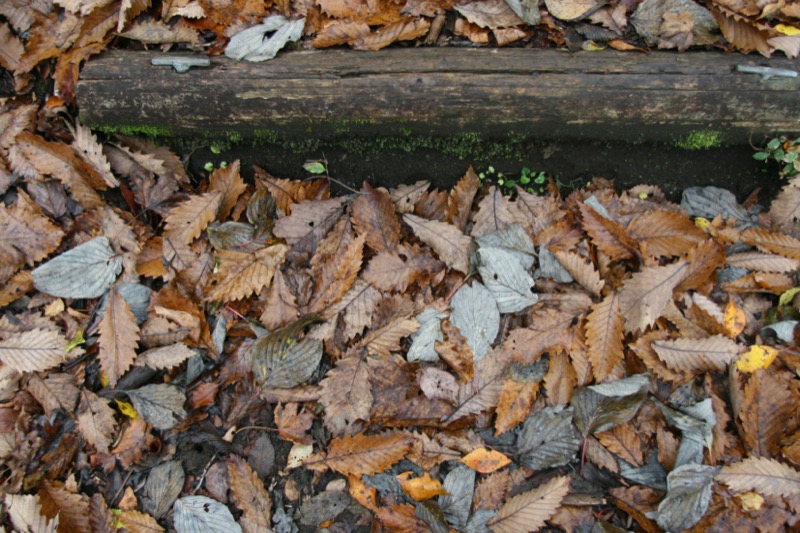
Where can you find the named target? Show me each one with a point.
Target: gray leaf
(688, 496)
(477, 522)
(86, 271)
(506, 279)
(527, 10)
(708, 202)
(550, 268)
(253, 45)
(514, 239)
(323, 507)
(695, 422)
(159, 405)
(601, 407)
(424, 339)
(290, 368)
(262, 456)
(460, 484)
(163, 486)
(651, 475)
(138, 298)
(548, 439)
(200, 514)
(475, 314)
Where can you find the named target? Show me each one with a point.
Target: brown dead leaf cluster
(397, 360)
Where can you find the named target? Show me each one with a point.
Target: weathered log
(607, 95)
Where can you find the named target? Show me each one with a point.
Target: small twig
(265, 428)
(203, 476)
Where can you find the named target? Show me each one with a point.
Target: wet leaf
(280, 361)
(547, 439)
(601, 407)
(688, 495)
(459, 484)
(160, 405)
(201, 514)
(163, 486)
(475, 314)
(86, 271)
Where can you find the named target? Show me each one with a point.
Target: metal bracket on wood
(181, 64)
(766, 72)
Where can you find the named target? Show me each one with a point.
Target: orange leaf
(735, 319)
(421, 488)
(485, 461)
(514, 405)
(604, 336)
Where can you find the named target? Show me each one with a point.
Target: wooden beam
(606, 95)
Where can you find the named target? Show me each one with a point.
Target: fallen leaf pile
(53, 38)
(237, 357)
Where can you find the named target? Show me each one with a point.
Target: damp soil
(572, 164)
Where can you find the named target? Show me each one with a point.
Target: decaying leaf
(279, 360)
(601, 407)
(529, 511)
(447, 241)
(161, 405)
(253, 45)
(201, 513)
(86, 271)
(475, 314)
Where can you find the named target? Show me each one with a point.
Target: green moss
(147, 131)
(700, 140)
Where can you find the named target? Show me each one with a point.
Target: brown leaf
(96, 421)
(49, 38)
(28, 236)
(340, 278)
(766, 476)
(644, 296)
(138, 522)
(11, 48)
(604, 336)
(582, 270)
(186, 221)
(665, 233)
(33, 350)
(134, 441)
(766, 413)
(560, 380)
(696, 355)
(385, 340)
(608, 235)
(483, 392)
(455, 351)
(489, 14)
(764, 262)
(704, 259)
(58, 160)
(373, 215)
(514, 405)
(241, 274)
(550, 330)
(534, 212)
(72, 509)
(405, 29)
(338, 32)
(280, 306)
(56, 391)
(293, 426)
(119, 336)
(740, 32)
(493, 214)
(778, 243)
(785, 209)
(346, 395)
(447, 241)
(405, 196)
(624, 441)
(250, 495)
(362, 454)
(530, 510)
(459, 201)
(156, 32)
(18, 285)
(230, 185)
(359, 306)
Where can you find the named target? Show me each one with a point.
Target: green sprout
(786, 152)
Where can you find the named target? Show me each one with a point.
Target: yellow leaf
(787, 30)
(757, 357)
(787, 297)
(421, 488)
(485, 461)
(54, 308)
(735, 319)
(76, 341)
(591, 46)
(701, 222)
(127, 409)
(751, 501)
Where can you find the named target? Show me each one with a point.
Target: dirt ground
(571, 163)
